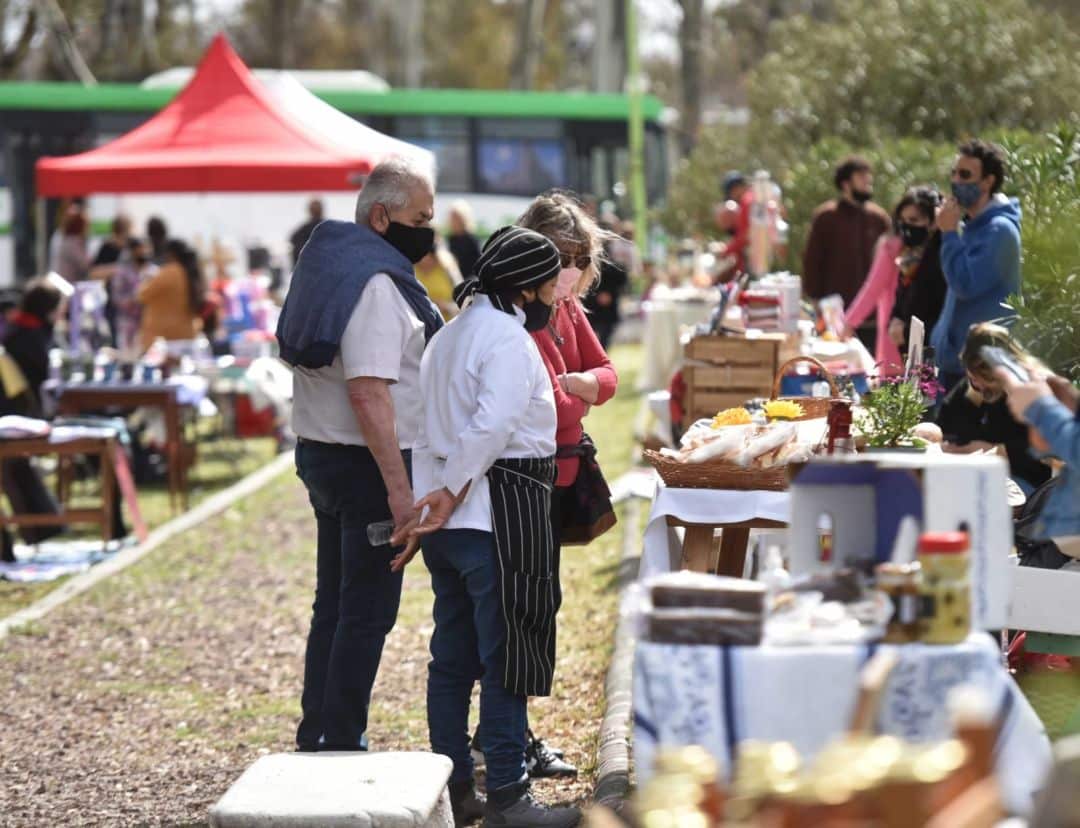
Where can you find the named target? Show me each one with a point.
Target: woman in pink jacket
(897, 256)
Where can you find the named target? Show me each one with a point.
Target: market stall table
(717, 697)
(700, 512)
(171, 398)
(102, 446)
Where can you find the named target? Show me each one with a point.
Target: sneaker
(526, 812)
(544, 763)
(466, 803)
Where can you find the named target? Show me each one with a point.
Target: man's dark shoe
(544, 763)
(466, 803)
(514, 807)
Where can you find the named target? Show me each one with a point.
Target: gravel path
(140, 702)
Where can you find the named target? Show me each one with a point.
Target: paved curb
(613, 749)
(126, 557)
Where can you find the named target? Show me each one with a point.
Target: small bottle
(56, 364)
(902, 582)
(379, 534)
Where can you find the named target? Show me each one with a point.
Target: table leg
(108, 488)
(173, 428)
(733, 543)
(698, 549)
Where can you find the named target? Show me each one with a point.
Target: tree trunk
(11, 59)
(529, 43)
(691, 34)
(609, 47)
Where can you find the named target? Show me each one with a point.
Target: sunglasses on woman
(580, 262)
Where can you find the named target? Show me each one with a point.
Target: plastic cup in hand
(378, 534)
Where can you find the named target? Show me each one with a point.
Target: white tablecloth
(664, 321)
(719, 696)
(661, 551)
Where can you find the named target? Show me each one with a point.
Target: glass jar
(902, 582)
(946, 587)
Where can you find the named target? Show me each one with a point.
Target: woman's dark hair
(157, 232)
(189, 260)
(991, 156)
(848, 167)
(925, 199)
(40, 298)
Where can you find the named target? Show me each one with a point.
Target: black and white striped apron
(528, 570)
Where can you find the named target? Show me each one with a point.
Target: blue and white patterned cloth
(719, 696)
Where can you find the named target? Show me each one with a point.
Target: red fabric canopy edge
(222, 133)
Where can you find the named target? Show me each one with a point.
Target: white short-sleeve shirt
(384, 339)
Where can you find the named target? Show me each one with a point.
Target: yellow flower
(731, 416)
(783, 410)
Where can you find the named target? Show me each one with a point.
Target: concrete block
(359, 790)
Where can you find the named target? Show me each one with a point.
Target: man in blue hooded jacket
(981, 259)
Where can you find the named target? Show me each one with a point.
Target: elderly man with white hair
(353, 329)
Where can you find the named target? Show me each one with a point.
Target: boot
(545, 763)
(466, 803)
(514, 807)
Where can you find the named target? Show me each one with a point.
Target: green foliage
(874, 69)
(1046, 177)
(890, 413)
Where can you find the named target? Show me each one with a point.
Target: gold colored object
(783, 410)
(732, 416)
(902, 582)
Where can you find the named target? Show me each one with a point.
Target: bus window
(448, 138)
(521, 157)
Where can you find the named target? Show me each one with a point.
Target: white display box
(867, 495)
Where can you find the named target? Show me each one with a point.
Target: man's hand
(583, 385)
(949, 215)
(968, 448)
(440, 504)
(404, 513)
(1022, 394)
(604, 299)
(896, 332)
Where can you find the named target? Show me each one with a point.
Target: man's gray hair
(390, 184)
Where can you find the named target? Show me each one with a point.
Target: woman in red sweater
(581, 372)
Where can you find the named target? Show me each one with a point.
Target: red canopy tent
(222, 133)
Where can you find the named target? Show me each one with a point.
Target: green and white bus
(495, 149)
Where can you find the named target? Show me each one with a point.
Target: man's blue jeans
(356, 594)
(469, 646)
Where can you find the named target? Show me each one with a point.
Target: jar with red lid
(946, 587)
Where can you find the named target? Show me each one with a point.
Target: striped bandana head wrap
(513, 258)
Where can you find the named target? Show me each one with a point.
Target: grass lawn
(142, 700)
(220, 463)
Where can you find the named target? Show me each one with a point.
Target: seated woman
(975, 414)
(1051, 405)
(485, 452)
(27, 343)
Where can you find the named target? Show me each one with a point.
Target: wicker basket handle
(814, 361)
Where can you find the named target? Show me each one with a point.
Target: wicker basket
(813, 407)
(717, 474)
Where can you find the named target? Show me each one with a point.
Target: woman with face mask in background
(896, 260)
(975, 416)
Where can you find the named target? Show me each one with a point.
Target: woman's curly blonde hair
(560, 216)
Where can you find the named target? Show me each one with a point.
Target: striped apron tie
(528, 574)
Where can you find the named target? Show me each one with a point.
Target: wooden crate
(737, 350)
(706, 402)
(726, 371)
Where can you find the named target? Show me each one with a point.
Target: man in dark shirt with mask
(843, 233)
